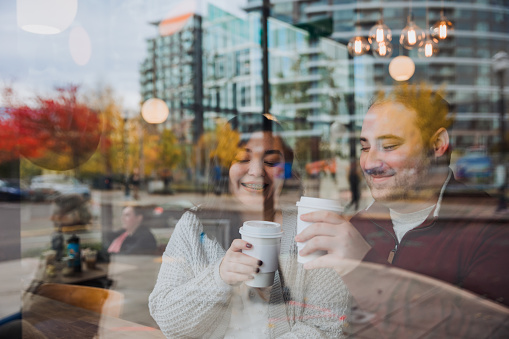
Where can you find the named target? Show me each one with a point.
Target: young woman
(200, 290)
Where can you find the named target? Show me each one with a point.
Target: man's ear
(440, 142)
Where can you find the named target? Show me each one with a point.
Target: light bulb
(412, 39)
(154, 111)
(442, 31)
(442, 28)
(382, 49)
(401, 68)
(46, 16)
(429, 48)
(358, 46)
(379, 32)
(411, 36)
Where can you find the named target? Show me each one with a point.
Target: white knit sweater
(190, 300)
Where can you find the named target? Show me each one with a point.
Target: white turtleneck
(404, 222)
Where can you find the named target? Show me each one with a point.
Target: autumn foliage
(57, 133)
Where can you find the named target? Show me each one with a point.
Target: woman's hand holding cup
(237, 267)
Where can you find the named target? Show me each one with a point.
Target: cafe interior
(111, 124)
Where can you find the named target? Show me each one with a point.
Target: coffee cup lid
(261, 229)
(321, 204)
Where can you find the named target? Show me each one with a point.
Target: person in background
(135, 182)
(133, 238)
(354, 181)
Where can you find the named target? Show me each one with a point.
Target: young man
(414, 223)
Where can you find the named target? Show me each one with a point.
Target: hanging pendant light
(401, 68)
(382, 49)
(380, 32)
(412, 36)
(358, 45)
(442, 28)
(155, 111)
(429, 48)
(430, 45)
(46, 16)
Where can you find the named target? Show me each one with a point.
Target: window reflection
(75, 152)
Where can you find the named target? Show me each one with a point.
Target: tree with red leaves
(56, 133)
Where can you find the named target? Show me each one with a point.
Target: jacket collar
(379, 214)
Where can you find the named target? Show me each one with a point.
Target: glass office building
(462, 66)
(308, 75)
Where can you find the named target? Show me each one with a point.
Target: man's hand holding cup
(338, 244)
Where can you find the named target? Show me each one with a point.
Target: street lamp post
(500, 65)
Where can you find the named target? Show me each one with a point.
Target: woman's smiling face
(257, 173)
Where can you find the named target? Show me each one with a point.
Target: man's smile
(380, 178)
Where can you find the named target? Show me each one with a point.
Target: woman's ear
(440, 142)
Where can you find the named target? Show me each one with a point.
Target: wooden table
(132, 275)
(101, 271)
(395, 303)
(55, 319)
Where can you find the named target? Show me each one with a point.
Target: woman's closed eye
(272, 161)
(272, 164)
(242, 157)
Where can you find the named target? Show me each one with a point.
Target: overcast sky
(117, 29)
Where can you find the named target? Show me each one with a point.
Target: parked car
(13, 190)
(50, 186)
(475, 167)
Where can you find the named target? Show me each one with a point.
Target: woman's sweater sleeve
(190, 299)
(317, 300)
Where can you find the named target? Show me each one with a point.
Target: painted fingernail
(248, 245)
(260, 263)
(257, 270)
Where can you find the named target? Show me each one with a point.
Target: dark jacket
(142, 241)
(459, 246)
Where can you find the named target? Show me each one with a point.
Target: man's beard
(407, 185)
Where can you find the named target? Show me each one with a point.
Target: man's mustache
(379, 171)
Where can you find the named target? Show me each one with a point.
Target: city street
(137, 277)
(36, 226)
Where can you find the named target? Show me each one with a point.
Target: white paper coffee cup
(307, 205)
(265, 236)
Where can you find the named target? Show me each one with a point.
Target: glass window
(130, 163)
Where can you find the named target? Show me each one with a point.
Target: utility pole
(265, 57)
(268, 204)
(500, 65)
